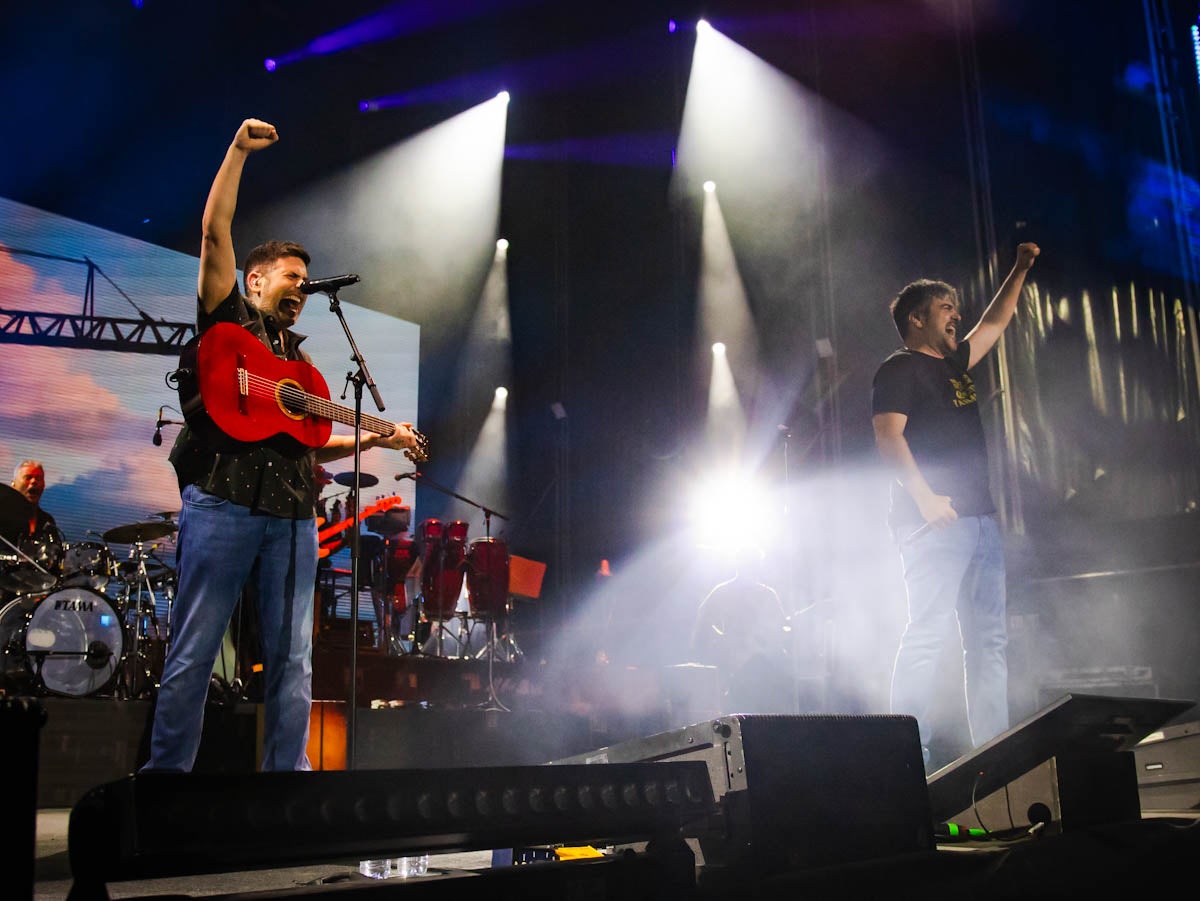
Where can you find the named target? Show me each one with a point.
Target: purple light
(138, 4)
(671, 26)
(364, 106)
(269, 65)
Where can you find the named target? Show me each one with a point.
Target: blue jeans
(218, 543)
(955, 582)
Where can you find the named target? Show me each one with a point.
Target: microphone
(325, 285)
(157, 439)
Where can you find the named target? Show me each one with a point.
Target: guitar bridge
(243, 378)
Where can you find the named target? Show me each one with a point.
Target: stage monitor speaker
(21, 721)
(177, 824)
(1070, 764)
(1168, 764)
(799, 791)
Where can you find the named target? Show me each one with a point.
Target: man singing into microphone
(246, 503)
(927, 427)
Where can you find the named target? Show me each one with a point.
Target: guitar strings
(261, 386)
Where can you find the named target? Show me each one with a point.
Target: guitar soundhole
(292, 398)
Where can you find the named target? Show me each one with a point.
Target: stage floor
(1102, 862)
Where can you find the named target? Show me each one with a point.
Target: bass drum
(74, 642)
(14, 669)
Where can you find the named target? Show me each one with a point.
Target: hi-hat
(139, 531)
(365, 479)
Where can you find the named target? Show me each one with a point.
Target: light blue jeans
(955, 582)
(218, 543)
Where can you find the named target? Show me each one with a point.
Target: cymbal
(365, 479)
(15, 512)
(140, 531)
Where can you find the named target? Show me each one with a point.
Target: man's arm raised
(218, 263)
(1000, 311)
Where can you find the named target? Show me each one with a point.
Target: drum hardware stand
(142, 578)
(503, 640)
(493, 701)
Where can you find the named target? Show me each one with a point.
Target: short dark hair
(916, 298)
(269, 253)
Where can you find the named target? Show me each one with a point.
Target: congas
(74, 642)
(429, 550)
(487, 576)
(39, 566)
(87, 564)
(448, 581)
(398, 558)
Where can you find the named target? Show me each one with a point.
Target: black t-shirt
(944, 430)
(275, 476)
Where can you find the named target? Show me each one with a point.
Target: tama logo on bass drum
(82, 605)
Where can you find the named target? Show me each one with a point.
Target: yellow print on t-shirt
(964, 391)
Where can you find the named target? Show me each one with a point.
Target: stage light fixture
(718, 349)
(702, 25)
(269, 64)
(671, 26)
(1196, 47)
(503, 97)
(710, 186)
(501, 393)
(174, 824)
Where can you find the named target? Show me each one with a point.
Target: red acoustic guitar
(251, 395)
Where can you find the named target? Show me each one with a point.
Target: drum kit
(74, 619)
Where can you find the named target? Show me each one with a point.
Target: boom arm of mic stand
(335, 307)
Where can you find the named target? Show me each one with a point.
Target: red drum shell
(399, 557)
(442, 601)
(487, 576)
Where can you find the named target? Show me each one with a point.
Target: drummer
(32, 530)
(29, 478)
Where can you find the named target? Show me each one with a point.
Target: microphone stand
(417, 476)
(358, 378)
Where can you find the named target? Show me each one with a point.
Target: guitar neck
(327, 409)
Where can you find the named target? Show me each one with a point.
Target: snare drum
(87, 564)
(74, 642)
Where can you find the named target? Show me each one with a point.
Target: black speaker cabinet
(1070, 765)
(799, 791)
